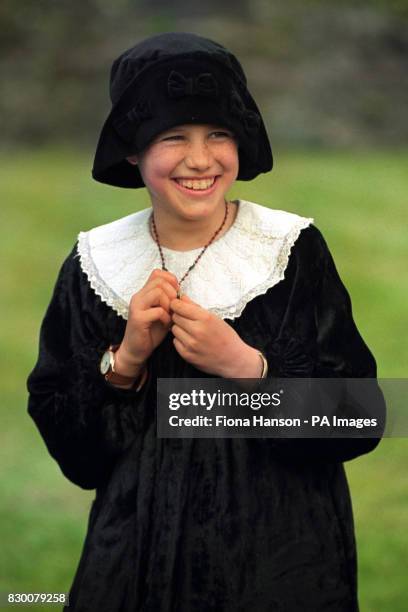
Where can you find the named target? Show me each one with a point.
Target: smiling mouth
(196, 184)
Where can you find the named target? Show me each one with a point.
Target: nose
(199, 156)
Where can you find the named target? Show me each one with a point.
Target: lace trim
(106, 293)
(255, 225)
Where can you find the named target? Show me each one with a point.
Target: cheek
(156, 169)
(230, 153)
(231, 159)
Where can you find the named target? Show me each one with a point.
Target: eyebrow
(184, 128)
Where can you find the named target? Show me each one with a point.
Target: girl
(196, 286)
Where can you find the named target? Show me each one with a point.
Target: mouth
(198, 186)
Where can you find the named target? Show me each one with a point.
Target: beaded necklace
(205, 247)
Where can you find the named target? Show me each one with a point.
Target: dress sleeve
(338, 351)
(86, 423)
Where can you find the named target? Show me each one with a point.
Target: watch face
(105, 362)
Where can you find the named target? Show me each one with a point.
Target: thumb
(187, 300)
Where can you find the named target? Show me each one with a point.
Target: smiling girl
(196, 286)
(187, 171)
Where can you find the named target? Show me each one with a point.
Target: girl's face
(189, 169)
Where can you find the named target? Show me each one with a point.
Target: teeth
(196, 185)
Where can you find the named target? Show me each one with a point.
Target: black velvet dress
(200, 525)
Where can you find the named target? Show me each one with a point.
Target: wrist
(136, 384)
(128, 366)
(250, 364)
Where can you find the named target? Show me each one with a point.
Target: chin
(200, 210)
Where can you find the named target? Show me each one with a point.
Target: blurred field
(358, 201)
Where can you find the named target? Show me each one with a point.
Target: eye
(221, 134)
(172, 138)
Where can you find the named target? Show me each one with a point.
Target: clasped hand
(200, 337)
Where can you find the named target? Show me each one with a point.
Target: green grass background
(358, 200)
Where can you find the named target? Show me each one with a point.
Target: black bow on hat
(250, 119)
(127, 125)
(202, 85)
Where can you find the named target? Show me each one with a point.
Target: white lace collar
(245, 262)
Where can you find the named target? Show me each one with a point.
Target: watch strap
(119, 379)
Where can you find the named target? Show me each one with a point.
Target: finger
(187, 299)
(171, 278)
(184, 337)
(180, 348)
(154, 297)
(188, 325)
(166, 319)
(170, 290)
(190, 311)
(154, 314)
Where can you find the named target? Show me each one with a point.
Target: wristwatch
(107, 368)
